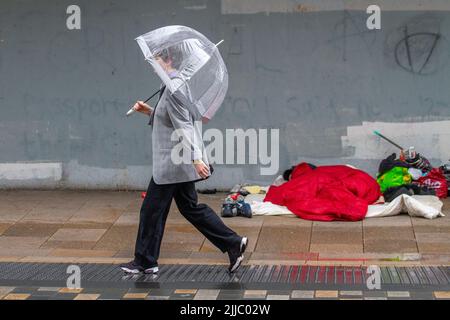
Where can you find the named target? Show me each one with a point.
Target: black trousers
(155, 209)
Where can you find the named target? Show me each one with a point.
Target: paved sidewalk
(101, 226)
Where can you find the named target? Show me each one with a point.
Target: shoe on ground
(151, 270)
(244, 209)
(131, 267)
(236, 255)
(229, 208)
(134, 268)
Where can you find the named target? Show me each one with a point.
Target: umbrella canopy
(196, 76)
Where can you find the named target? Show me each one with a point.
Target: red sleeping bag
(326, 193)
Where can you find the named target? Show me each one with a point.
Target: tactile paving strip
(263, 275)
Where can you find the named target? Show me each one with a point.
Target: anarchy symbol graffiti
(415, 52)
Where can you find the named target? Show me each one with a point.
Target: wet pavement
(51, 229)
(101, 226)
(212, 282)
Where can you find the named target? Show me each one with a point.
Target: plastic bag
(436, 181)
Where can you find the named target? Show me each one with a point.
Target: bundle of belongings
(410, 176)
(445, 169)
(235, 205)
(345, 193)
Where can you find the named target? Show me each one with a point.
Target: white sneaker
(151, 270)
(236, 257)
(244, 243)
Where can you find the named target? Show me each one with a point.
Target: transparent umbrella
(197, 76)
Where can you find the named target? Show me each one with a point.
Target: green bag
(395, 177)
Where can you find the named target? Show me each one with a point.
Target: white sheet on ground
(428, 207)
(260, 208)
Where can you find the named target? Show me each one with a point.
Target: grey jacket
(174, 133)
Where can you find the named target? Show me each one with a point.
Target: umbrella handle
(131, 111)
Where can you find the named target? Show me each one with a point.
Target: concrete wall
(311, 69)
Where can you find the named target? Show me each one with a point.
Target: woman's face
(165, 65)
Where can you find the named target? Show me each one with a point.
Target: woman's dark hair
(287, 173)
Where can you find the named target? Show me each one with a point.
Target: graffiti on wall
(418, 45)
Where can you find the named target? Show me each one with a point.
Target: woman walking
(176, 181)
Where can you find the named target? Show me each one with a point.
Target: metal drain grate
(217, 274)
